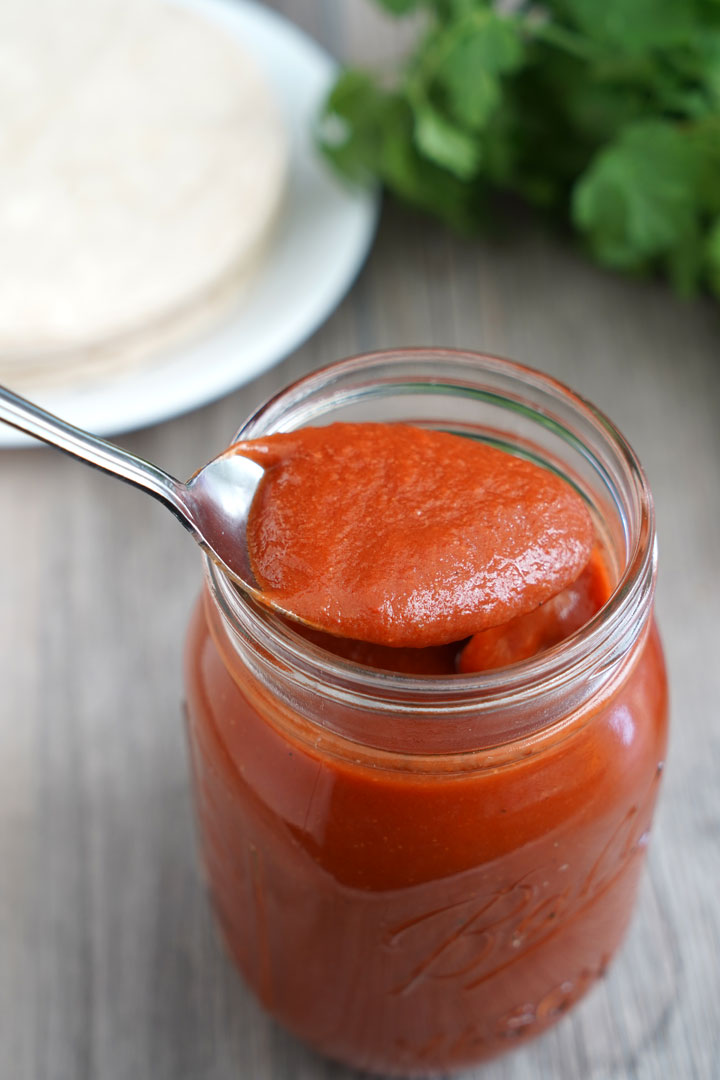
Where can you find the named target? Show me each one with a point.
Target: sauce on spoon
(407, 537)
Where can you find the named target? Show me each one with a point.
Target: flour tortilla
(142, 162)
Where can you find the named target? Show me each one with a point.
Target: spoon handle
(41, 424)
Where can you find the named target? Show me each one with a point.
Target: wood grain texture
(109, 964)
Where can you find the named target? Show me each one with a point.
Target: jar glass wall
(417, 872)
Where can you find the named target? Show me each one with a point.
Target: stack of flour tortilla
(142, 164)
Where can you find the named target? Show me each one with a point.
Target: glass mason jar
(413, 872)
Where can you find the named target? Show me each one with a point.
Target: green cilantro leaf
(444, 142)
(638, 198)
(634, 26)
(350, 127)
(471, 62)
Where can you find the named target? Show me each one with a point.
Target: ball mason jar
(415, 873)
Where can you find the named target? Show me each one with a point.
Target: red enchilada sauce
(406, 537)
(415, 912)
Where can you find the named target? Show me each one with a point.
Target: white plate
(318, 246)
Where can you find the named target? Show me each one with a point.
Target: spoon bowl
(217, 499)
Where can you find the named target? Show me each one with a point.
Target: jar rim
(598, 646)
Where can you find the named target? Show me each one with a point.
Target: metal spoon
(213, 505)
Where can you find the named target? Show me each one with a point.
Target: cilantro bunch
(604, 112)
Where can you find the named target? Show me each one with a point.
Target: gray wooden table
(109, 965)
